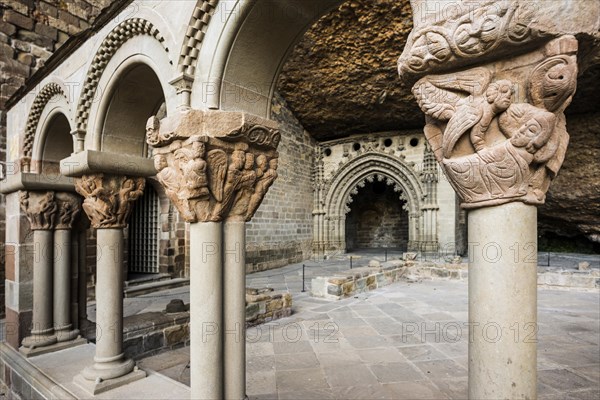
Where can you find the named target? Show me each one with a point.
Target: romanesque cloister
(157, 145)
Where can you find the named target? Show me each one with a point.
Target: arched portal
(377, 218)
(366, 168)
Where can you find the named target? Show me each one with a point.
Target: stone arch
(350, 175)
(249, 42)
(52, 92)
(194, 35)
(109, 123)
(121, 34)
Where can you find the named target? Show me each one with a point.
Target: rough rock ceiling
(341, 78)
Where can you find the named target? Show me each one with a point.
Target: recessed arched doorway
(377, 219)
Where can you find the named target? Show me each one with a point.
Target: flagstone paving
(404, 341)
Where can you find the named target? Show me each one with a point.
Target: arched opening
(377, 219)
(58, 144)
(137, 96)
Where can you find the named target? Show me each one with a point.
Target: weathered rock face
(342, 79)
(573, 202)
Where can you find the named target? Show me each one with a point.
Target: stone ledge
(363, 279)
(265, 305)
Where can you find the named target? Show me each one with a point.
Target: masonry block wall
(30, 31)
(281, 230)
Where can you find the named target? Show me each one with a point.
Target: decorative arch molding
(329, 225)
(367, 164)
(194, 36)
(48, 92)
(114, 40)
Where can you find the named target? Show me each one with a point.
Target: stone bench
(265, 305)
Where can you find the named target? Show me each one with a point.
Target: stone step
(147, 278)
(154, 286)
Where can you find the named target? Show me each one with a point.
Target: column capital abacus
(215, 165)
(108, 198)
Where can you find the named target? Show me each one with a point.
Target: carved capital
(499, 130)
(108, 198)
(41, 209)
(214, 165)
(69, 208)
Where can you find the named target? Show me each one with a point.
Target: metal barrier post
(303, 289)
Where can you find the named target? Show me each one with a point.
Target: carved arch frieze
(125, 31)
(45, 95)
(194, 36)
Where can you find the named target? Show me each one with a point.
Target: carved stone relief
(41, 209)
(471, 31)
(108, 198)
(499, 132)
(214, 165)
(69, 208)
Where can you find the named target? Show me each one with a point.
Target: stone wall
(30, 31)
(376, 219)
(281, 230)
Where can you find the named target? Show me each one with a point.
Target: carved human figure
(69, 209)
(40, 208)
(108, 198)
(265, 179)
(191, 162)
(130, 191)
(245, 188)
(232, 182)
(501, 171)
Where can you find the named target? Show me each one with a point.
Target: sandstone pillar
(107, 203)
(216, 167)
(496, 125)
(42, 211)
(69, 209)
(502, 302)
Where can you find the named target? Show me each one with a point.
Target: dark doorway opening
(377, 219)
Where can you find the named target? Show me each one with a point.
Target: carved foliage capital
(41, 209)
(499, 133)
(212, 178)
(108, 198)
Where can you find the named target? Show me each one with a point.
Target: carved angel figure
(266, 177)
(438, 97)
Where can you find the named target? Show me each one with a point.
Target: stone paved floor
(360, 348)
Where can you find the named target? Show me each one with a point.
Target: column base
(100, 385)
(67, 335)
(37, 351)
(108, 370)
(39, 340)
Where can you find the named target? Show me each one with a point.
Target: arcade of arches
(175, 155)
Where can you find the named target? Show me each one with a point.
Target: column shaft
(503, 302)
(62, 285)
(42, 287)
(206, 310)
(235, 309)
(109, 359)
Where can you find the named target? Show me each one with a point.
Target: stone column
(107, 203)
(42, 211)
(69, 208)
(496, 125)
(216, 167)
